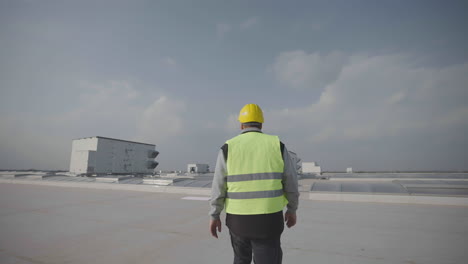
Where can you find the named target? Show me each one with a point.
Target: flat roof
(402, 187)
(128, 141)
(444, 186)
(49, 224)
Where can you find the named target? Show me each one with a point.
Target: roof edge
(116, 139)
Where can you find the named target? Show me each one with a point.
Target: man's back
(256, 158)
(254, 179)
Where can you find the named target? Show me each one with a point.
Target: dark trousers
(265, 251)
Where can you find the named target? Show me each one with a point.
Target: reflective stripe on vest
(254, 175)
(253, 195)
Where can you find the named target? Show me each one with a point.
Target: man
(254, 179)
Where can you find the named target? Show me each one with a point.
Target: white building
(349, 170)
(101, 155)
(198, 168)
(311, 167)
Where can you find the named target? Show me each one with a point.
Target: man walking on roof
(254, 179)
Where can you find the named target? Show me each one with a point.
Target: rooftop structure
(311, 168)
(101, 155)
(198, 168)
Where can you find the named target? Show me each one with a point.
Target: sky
(373, 85)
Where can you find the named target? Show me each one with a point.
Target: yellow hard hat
(251, 113)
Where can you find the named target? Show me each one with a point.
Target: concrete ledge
(382, 198)
(343, 197)
(163, 181)
(7, 176)
(393, 179)
(113, 186)
(38, 176)
(108, 180)
(112, 179)
(439, 186)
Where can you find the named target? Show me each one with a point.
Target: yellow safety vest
(254, 175)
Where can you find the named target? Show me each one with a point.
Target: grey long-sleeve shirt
(219, 186)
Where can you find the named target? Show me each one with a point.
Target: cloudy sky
(376, 85)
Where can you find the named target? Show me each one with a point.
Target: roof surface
(45, 224)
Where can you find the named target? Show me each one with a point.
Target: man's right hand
(290, 219)
(215, 224)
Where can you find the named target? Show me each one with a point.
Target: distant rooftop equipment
(101, 155)
(198, 168)
(311, 168)
(349, 170)
(295, 160)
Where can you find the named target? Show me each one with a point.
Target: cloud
(104, 100)
(161, 120)
(380, 100)
(232, 124)
(316, 26)
(299, 70)
(369, 93)
(113, 109)
(249, 23)
(396, 98)
(222, 29)
(171, 62)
